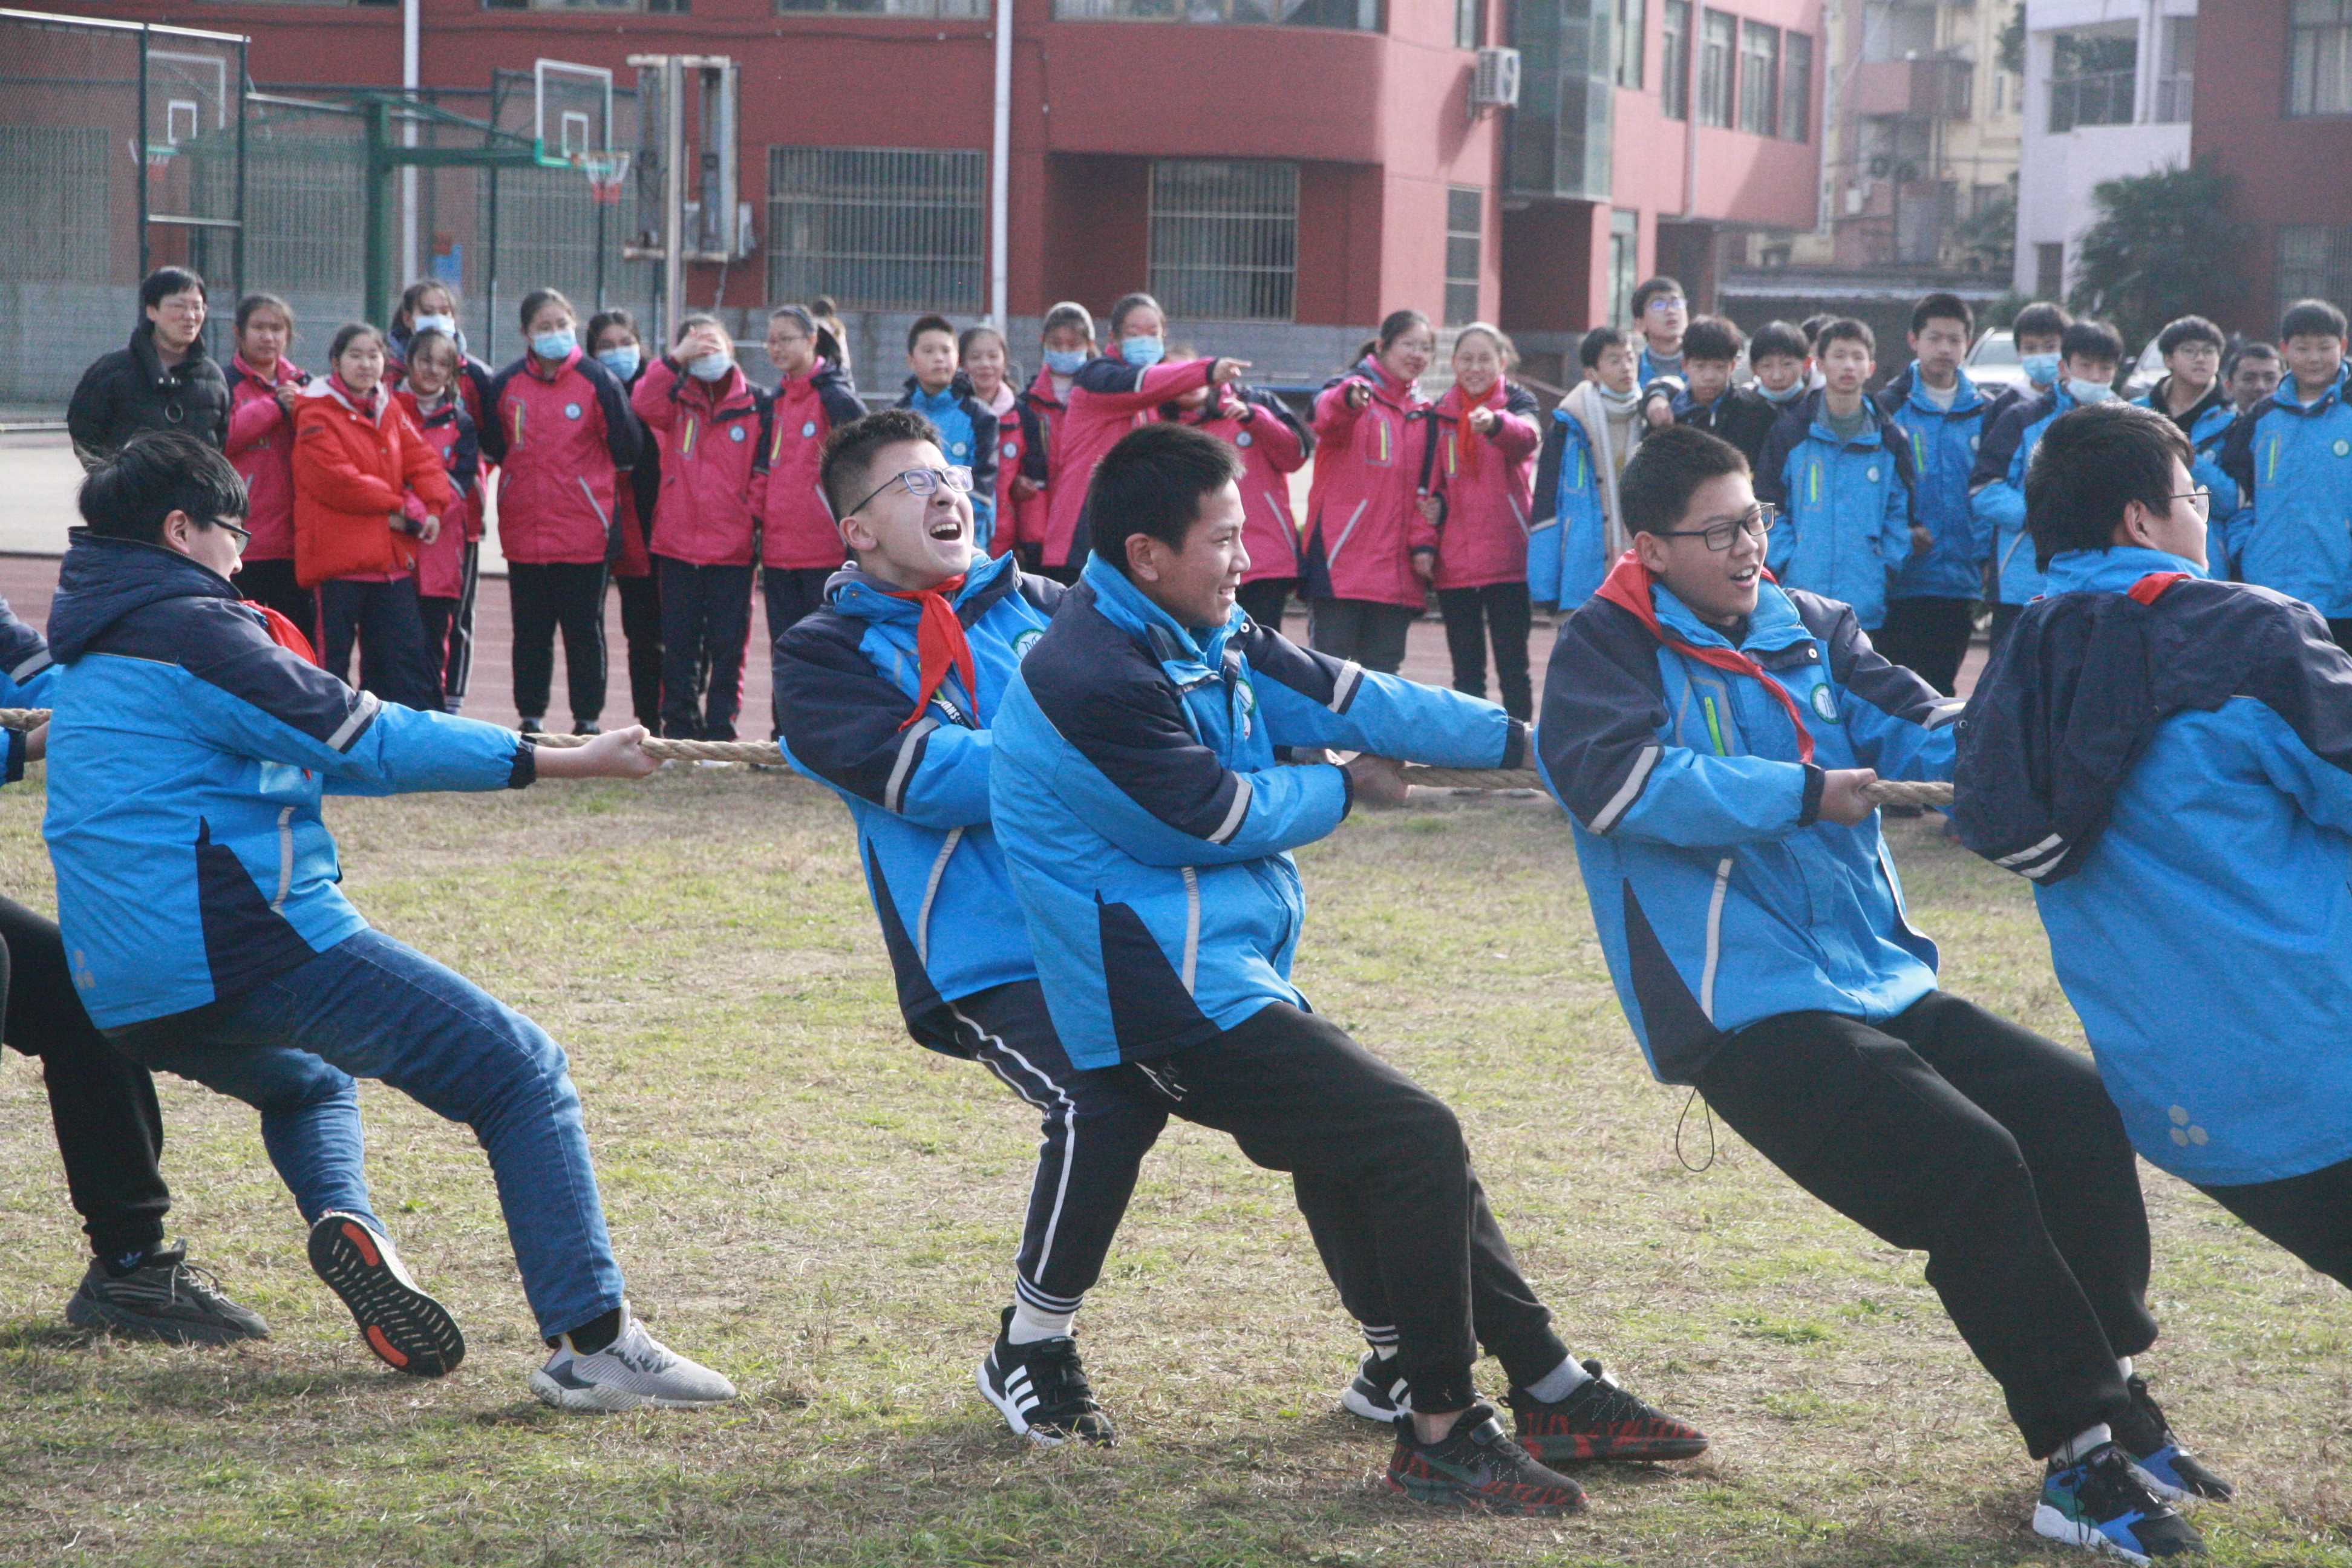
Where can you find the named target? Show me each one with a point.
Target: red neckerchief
(1631, 586)
(284, 632)
(940, 643)
(1456, 405)
(2151, 588)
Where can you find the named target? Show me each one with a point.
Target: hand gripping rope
(1884, 792)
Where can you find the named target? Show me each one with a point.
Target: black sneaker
(1040, 1390)
(408, 1330)
(1475, 1465)
(587, 727)
(1601, 1420)
(532, 727)
(2172, 1471)
(165, 1298)
(2100, 1503)
(1378, 1393)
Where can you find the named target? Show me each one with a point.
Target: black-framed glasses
(2202, 497)
(922, 483)
(1659, 304)
(243, 535)
(1758, 519)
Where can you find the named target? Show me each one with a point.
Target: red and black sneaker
(1475, 1465)
(408, 1329)
(1601, 1421)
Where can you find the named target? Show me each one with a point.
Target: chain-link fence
(125, 147)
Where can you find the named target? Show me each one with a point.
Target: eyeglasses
(919, 482)
(1758, 519)
(1659, 304)
(2201, 496)
(243, 535)
(177, 305)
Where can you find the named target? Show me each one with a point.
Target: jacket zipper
(285, 859)
(1714, 937)
(930, 896)
(1191, 927)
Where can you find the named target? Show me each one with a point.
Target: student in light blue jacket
(2192, 395)
(2290, 456)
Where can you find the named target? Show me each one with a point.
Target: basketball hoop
(607, 174)
(158, 156)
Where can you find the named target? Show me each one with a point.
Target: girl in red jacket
(1485, 457)
(560, 431)
(1371, 552)
(366, 488)
(450, 566)
(612, 339)
(1111, 395)
(431, 305)
(1273, 447)
(707, 417)
(800, 547)
(262, 386)
(1065, 346)
(988, 363)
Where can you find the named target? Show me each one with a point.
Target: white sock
(1029, 1325)
(2124, 1364)
(1559, 1382)
(2088, 1438)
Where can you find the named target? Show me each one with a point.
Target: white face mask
(1615, 399)
(447, 324)
(2088, 392)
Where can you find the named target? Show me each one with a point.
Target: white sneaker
(634, 1370)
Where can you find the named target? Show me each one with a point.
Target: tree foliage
(2162, 246)
(2013, 41)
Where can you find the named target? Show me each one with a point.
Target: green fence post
(379, 216)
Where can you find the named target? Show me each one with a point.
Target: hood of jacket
(1907, 388)
(948, 397)
(1123, 605)
(103, 580)
(151, 361)
(1773, 625)
(854, 591)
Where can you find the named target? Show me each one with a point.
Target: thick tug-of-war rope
(1885, 792)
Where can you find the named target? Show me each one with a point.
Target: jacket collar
(735, 392)
(949, 396)
(2291, 399)
(1387, 387)
(331, 387)
(1041, 390)
(1123, 605)
(854, 591)
(283, 373)
(1910, 389)
(532, 362)
(2111, 570)
(1874, 432)
(1775, 625)
(2157, 396)
(151, 361)
(104, 580)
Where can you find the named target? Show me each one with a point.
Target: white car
(1992, 362)
(2146, 372)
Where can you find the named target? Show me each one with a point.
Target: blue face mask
(2042, 370)
(710, 367)
(1788, 394)
(2088, 392)
(1142, 353)
(554, 345)
(1066, 361)
(623, 361)
(447, 324)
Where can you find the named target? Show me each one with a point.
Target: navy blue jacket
(2169, 762)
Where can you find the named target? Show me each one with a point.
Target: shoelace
(2108, 1488)
(1059, 1381)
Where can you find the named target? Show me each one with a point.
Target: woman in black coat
(163, 381)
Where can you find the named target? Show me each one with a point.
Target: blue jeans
(373, 1007)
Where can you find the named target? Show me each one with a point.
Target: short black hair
(846, 466)
(1777, 340)
(253, 303)
(1598, 342)
(2189, 330)
(163, 471)
(1661, 284)
(344, 336)
(1710, 338)
(1666, 469)
(1940, 306)
(2314, 318)
(2090, 464)
(2041, 318)
(2254, 349)
(605, 319)
(539, 299)
(166, 281)
(929, 324)
(1812, 328)
(1153, 482)
(1847, 329)
(1128, 304)
(2091, 340)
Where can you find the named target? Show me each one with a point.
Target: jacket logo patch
(1871, 473)
(571, 411)
(1241, 438)
(1824, 703)
(737, 433)
(958, 449)
(1024, 642)
(1973, 443)
(1011, 449)
(2344, 448)
(1246, 704)
(808, 429)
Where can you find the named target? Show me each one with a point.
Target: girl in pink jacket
(262, 386)
(1273, 447)
(1484, 456)
(1371, 551)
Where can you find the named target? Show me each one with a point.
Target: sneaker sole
(97, 1317)
(1556, 1450)
(405, 1329)
(2053, 1525)
(1453, 1496)
(595, 1399)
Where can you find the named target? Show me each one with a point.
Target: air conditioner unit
(1496, 84)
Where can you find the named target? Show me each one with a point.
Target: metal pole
(411, 80)
(600, 255)
(145, 260)
(491, 312)
(237, 249)
(1000, 170)
(673, 197)
(378, 275)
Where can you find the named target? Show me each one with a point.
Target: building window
(1225, 239)
(2175, 79)
(1469, 24)
(878, 228)
(1759, 79)
(1349, 16)
(2319, 57)
(1674, 60)
(1631, 21)
(1465, 228)
(664, 7)
(2092, 77)
(2314, 263)
(1624, 263)
(1796, 87)
(1715, 68)
(923, 8)
(2049, 271)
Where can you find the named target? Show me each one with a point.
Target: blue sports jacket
(2293, 466)
(917, 787)
(1148, 822)
(1568, 537)
(1943, 443)
(2169, 761)
(967, 429)
(187, 759)
(1692, 772)
(1845, 522)
(2205, 425)
(1999, 487)
(26, 674)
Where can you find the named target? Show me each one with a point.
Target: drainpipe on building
(410, 48)
(1690, 130)
(999, 174)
